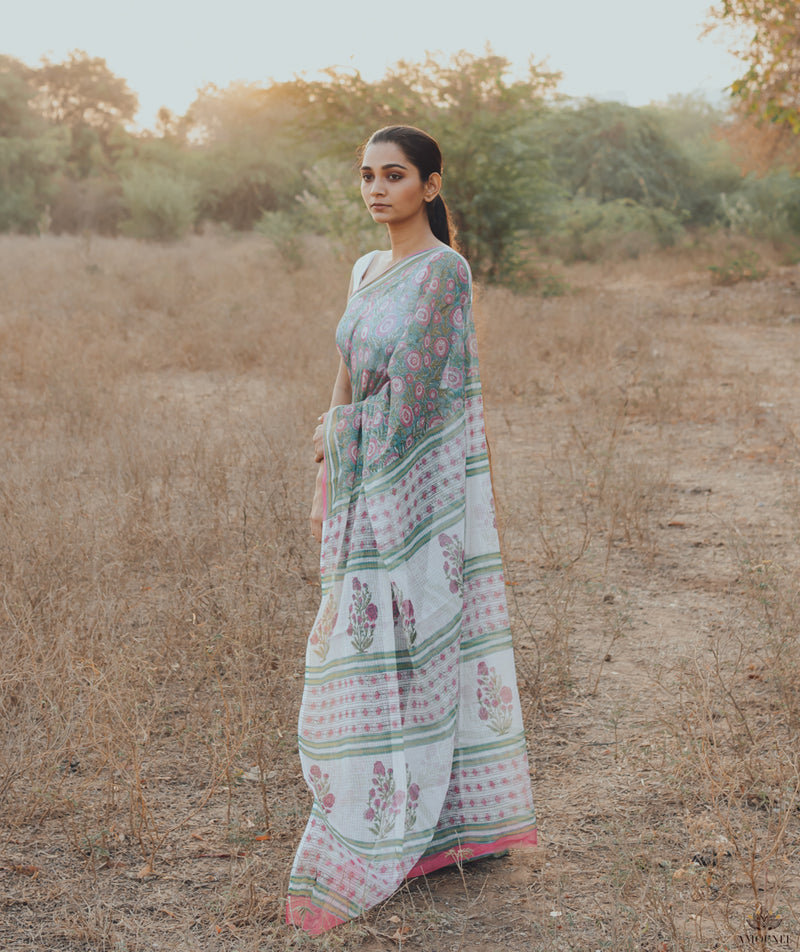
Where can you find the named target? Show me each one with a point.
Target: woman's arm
(342, 394)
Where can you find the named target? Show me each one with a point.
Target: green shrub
(27, 167)
(609, 151)
(161, 205)
(285, 233)
(709, 170)
(746, 266)
(549, 284)
(332, 206)
(765, 207)
(587, 230)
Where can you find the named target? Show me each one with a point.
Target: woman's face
(391, 186)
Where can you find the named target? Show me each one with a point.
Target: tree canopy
(84, 96)
(495, 177)
(83, 91)
(607, 150)
(31, 151)
(770, 86)
(526, 172)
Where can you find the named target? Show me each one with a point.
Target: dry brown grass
(157, 581)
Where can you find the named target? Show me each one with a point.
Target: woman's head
(423, 152)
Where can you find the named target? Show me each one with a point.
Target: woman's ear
(432, 187)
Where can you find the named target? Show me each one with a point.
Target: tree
(495, 178)
(608, 151)
(497, 172)
(759, 148)
(16, 115)
(700, 131)
(770, 87)
(83, 95)
(161, 206)
(83, 91)
(251, 158)
(30, 152)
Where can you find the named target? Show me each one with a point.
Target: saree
(410, 730)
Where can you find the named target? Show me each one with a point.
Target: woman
(411, 737)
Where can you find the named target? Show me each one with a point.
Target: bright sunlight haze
(635, 51)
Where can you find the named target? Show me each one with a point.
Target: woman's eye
(366, 177)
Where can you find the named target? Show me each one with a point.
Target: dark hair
(423, 152)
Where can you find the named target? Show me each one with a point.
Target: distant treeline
(525, 168)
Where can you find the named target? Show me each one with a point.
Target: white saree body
(410, 733)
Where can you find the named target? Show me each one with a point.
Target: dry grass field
(158, 579)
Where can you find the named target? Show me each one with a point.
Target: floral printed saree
(410, 732)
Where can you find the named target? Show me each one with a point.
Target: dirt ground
(601, 756)
(616, 638)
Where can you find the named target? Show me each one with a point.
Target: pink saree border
(466, 852)
(301, 911)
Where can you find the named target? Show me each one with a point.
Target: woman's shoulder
(361, 266)
(369, 265)
(446, 262)
(442, 262)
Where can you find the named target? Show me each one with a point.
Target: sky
(635, 51)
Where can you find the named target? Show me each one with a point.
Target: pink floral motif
(413, 360)
(453, 561)
(453, 378)
(321, 785)
(412, 801)
(495, 700)
(363, 614)
(384, 801)
(403, 613)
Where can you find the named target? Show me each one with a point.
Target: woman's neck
(408, 238)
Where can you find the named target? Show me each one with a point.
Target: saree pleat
(410, 731)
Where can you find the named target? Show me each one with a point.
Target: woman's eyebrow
(389, 165)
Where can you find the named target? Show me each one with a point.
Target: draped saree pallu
(411, 736)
